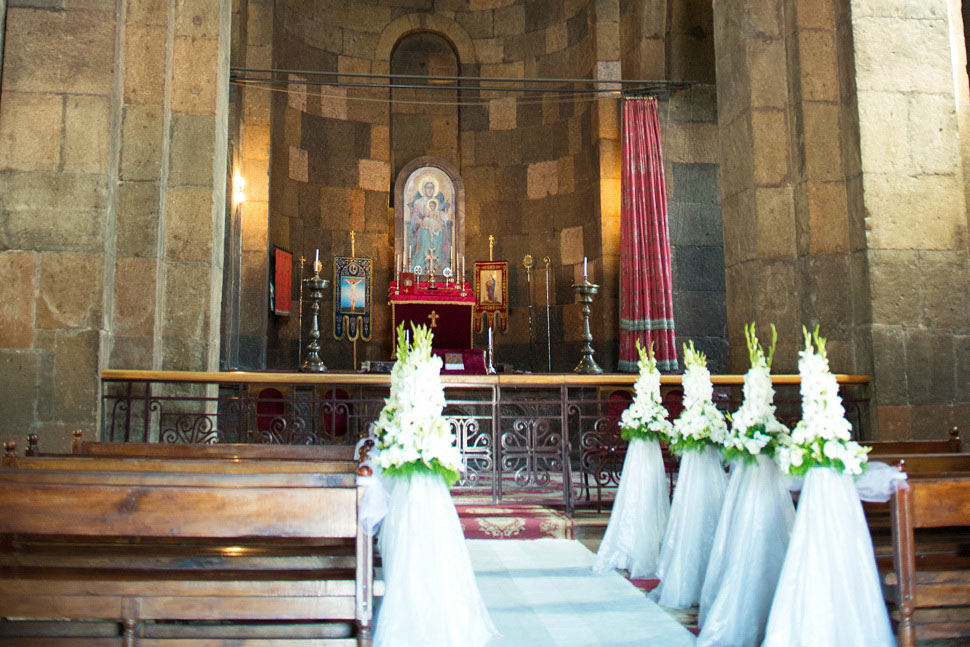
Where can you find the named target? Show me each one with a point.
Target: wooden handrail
(384, 379)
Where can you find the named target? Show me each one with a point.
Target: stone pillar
(757, 184)
(829, 236)
(56, 171)
(166, 289)
(253, 148)
(909, 188)
(112, 177)
(609, 156)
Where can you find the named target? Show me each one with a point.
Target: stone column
(909, 188)
(609, 155)
(56, 171)
(757, 185)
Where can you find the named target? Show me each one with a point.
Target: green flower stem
(420, 467)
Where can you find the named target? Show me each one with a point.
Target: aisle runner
(514, 522)
(543, 592)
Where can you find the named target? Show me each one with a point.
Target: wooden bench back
(938, 503)
(158, 505)
(951, 444)
(930, 465)
(227, 450)
(186, 465)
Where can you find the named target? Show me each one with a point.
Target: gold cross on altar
(353, 245)
(491, 243)
(432, 261)
(434, 319)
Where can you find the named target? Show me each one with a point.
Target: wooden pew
(951, 444)
(930, 582)
(82, 447)
(125, 539)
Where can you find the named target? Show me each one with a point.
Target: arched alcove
(423, 122)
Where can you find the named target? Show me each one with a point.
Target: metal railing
(548, 438)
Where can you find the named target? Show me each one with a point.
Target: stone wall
(541, 173)
(112, 166)
(909, 185)
(843, 193)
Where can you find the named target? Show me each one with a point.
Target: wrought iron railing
(549, 438)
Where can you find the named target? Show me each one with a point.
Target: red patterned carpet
(514, 521)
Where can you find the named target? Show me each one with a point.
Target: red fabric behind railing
(646, 299)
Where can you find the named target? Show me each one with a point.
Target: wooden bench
(82, 447)
(937, 585)
(174, 540)
(881, 448)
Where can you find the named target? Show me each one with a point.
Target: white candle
(585, 269)
(489, 336)
(316, 263)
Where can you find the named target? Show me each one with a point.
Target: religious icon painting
(492, 294)
(429, 213)
(352, 298)
(282, 281)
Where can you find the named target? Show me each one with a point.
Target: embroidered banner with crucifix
(351, 298)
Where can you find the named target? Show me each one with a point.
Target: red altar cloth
(444, 309)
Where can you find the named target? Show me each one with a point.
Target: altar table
(447, 310)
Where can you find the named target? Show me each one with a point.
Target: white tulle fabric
(828, 594)
(749, 549)
(639, 516)
(431, 598)
(687, 542)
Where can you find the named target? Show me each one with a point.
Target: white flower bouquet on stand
(756, 520)
(698, 435)
(828, 594)
(639, 515)
(431, 598)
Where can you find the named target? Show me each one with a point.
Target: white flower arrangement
(754, 428)
(412, 435)
(646, 416)
(701, 424)
(822, 438)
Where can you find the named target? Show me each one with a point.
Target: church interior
(172, 172)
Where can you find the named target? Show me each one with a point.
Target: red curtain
(646, 298)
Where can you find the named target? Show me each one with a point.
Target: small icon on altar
(407, 283)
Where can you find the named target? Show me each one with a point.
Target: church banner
(492, 294)
(352, 298)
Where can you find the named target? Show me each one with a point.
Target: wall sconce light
(238, 189)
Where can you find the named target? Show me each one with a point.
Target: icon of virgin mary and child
(431, 225)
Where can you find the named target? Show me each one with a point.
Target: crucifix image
(433, 316)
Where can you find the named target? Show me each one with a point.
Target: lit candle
(585, 269)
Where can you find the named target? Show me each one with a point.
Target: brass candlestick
(587, 365)
(316, 286)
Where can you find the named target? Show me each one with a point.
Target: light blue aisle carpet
(544, 592)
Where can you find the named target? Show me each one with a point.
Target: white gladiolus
(410, 427)
(646, 413)
(823, 435)
(754, 427)
(700, 422)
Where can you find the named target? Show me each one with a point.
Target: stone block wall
(843, 190)
(689, 121)
(112, 147)
(541, 173)
(908, 182)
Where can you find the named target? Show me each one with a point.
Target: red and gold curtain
(646, 298)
